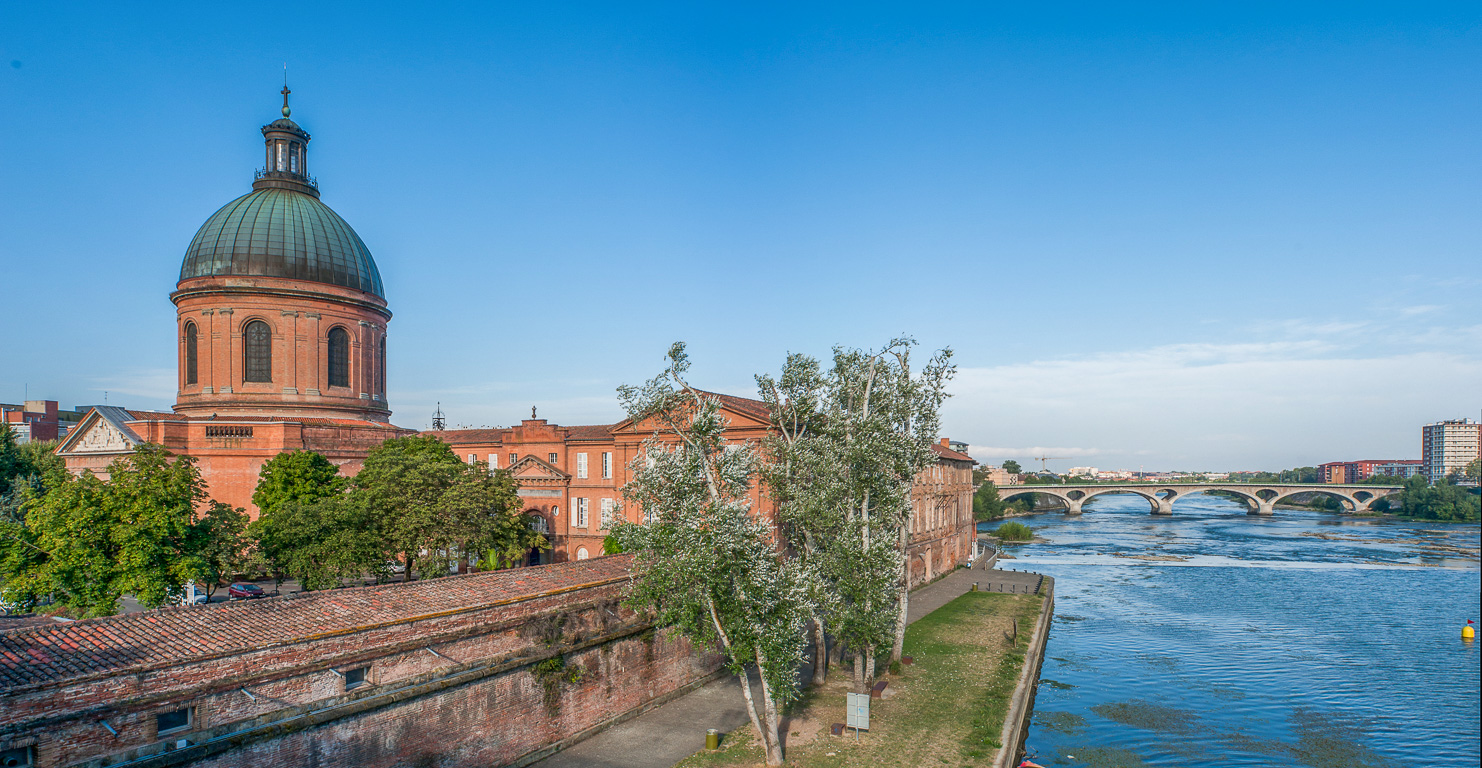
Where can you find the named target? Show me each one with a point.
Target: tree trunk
(869, 665)
(820, 653)
(407, 576)
(905, 593)
(756, 722)
(859, 672)
(773, 737)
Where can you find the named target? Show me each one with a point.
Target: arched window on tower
(383, 365)
(339, 357)
(258, 352)
(190, 353)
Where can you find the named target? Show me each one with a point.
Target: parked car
(393, 566)
(242, 590)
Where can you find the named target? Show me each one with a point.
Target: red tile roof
(468, 436)
(590, 432)
(168, 636)
(944, 452)
(745, 405)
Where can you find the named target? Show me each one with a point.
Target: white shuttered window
(581, 466)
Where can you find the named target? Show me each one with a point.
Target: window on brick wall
(581, 553)
(354, 678)
(607, 465)
(18, 756)
(473, 458)
(174, 721)
(579, 511)
(513, 457)
(607, 509)
(493, 461)
(581, 466)
(551, 457)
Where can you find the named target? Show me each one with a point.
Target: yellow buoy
(1467, 633)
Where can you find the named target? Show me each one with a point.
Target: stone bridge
(1260, 499)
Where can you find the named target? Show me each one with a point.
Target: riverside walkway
(667, 734)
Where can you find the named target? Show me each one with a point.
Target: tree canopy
(704, 566)
(87, 542)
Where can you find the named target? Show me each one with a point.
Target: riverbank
(952, 705)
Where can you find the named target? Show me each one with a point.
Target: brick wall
(444, 688)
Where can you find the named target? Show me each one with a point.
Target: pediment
(98, 435)
(532, 468)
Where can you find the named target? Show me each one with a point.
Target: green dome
(281, 233)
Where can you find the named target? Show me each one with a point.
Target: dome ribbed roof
(281, 233)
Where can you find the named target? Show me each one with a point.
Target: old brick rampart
(471, 670)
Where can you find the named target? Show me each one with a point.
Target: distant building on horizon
(1449, 446)
(39, 420)
(1357, 471)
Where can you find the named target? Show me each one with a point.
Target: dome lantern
(287, 155)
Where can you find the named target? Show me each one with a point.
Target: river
(1305, 638)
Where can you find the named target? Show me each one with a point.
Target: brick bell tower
(280, 309)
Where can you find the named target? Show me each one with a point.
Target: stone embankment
(1021, 706)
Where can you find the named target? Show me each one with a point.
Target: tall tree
(296, 476)
(429, 504)
(704, 565)
(481, 514)
(844, 453)
(88, 542)
(319, 541)
(224, 547)
(1012, 467)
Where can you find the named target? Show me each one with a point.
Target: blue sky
(1154, 236)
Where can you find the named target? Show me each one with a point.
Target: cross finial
(285, 91)
(532, 411)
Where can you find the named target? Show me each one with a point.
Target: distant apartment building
(38, 420)
(1083, 471)
(1357, 471)
(1000, 477)
(1449, 446)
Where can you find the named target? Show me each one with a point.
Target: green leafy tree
(319, 541)
(401, 485)
(1442, 501)
(296, 476)
(481, 512)
(846, 448)
(1012, 467)
(429, 504)
(986, 503)
(87, 542)
(704, 566)
(224, 545)
(1474, 469)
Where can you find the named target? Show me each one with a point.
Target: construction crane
(1043, 459)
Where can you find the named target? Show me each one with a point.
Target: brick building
(39, 420)
(281, 332)
(444, 672)
(281, 336)
(571, 477)
(1356, 471)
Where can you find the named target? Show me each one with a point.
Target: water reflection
(1216, 638)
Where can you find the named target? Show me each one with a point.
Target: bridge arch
(1151, 498)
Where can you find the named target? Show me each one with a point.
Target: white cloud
(1233, 406)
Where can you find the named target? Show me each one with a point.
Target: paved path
(665, 735)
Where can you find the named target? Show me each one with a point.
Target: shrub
(1012, 531)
